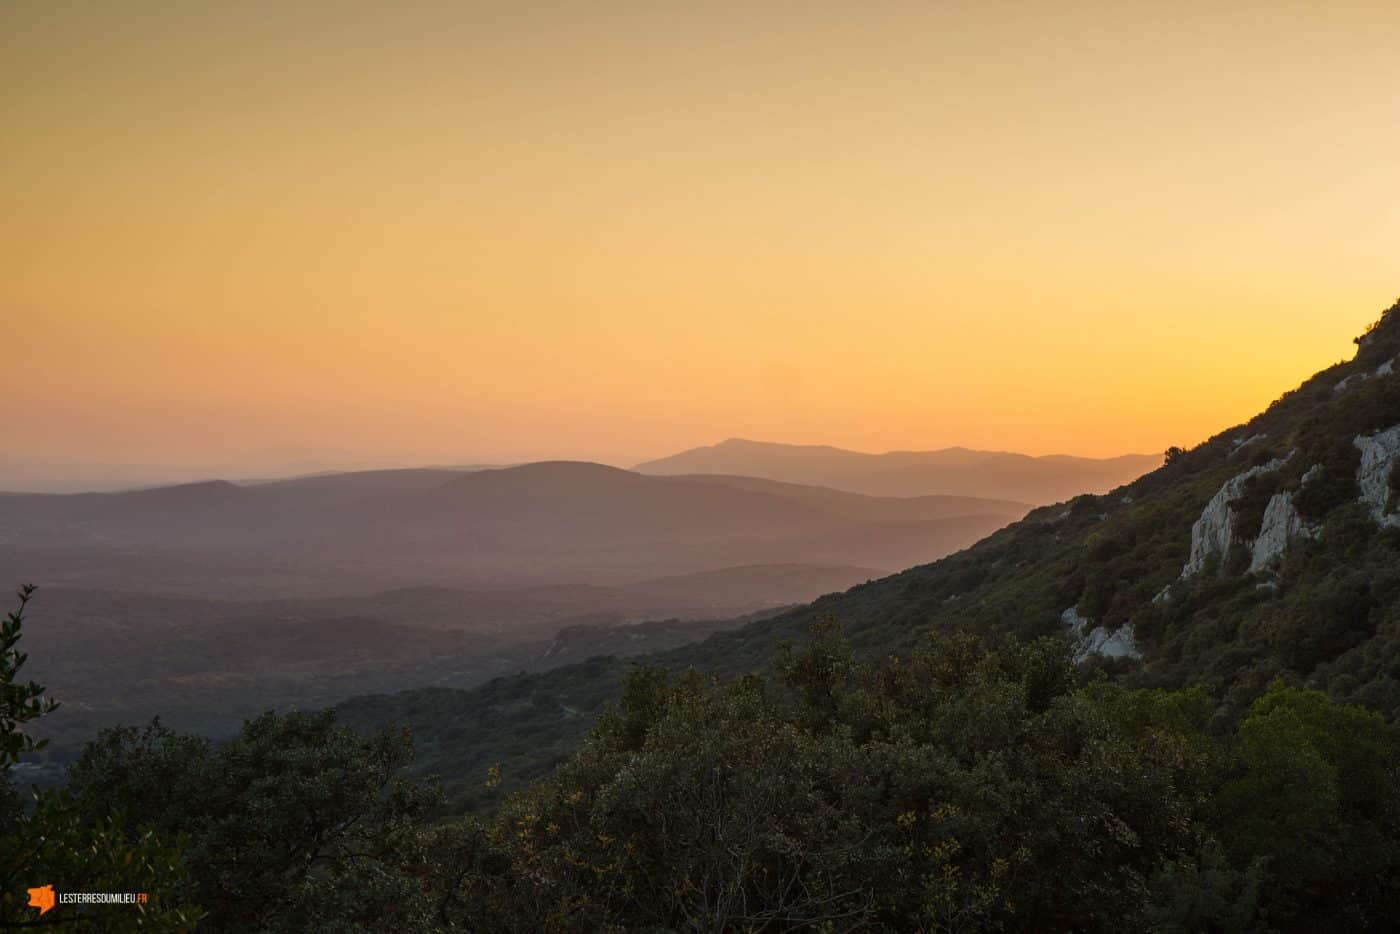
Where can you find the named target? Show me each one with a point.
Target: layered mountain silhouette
(537, 524)
(1271, 551)
(951, 471)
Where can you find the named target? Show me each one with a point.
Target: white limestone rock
(1076, 623)
(1386, 368)
(1347, 383)
(1379, 453)
(1098, 640)
(1214, 532)
(1120, 644)
(1282, 524)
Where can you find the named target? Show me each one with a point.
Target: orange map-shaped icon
(41, 898)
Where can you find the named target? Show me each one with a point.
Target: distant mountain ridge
(559, 522)
(955, 471)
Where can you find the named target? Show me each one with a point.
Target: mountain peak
(953, 471)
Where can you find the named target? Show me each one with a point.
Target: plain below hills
(201, 664)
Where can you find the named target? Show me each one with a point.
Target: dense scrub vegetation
(958, 788)
(53, 840)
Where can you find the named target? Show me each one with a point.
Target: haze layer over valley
(206, 602)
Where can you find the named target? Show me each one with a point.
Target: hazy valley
(206, 603)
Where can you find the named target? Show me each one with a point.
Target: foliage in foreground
(956, 789)
(296, 825)
(52, 841)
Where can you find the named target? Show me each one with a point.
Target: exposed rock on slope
(1119, 644)
(1385, 369)
(1282, 524)
(1098, 640)
(1214, 532)
(1076, 623)
(1379, 455)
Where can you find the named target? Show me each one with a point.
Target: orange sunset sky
(272, 235)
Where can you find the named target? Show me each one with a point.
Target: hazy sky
(494, 232)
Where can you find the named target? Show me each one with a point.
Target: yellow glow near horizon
(483, 232)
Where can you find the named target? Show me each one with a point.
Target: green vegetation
(20, 701)
(53, 841)
(958, 788)
(296, 825)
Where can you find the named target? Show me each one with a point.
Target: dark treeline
(959, 788)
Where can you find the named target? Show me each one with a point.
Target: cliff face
(1214, 532)
(1282, 524)
(1376, 476)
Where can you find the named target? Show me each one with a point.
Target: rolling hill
(1271, 551)
(533, 525)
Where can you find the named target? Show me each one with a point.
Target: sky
(266, 236)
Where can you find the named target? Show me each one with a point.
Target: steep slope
(952, 471)
(1272, 550)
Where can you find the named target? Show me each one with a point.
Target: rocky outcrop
(1098, 640)
(1349, 382)
(1076, 624)
(1282, 524)
(1119, 644)
(1214, 532)
(1385, 369)
(1379, 454)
